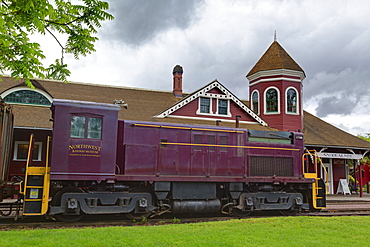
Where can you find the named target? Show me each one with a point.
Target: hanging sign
(340, 156)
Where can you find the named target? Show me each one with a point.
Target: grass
(276, 231)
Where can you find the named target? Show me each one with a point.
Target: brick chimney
(177, 80)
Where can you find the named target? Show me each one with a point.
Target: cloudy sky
(223, 39)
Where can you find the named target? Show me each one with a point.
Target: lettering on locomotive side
(84, 150)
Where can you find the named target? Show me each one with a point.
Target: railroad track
(40, 222)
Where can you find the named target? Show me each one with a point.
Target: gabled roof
(144, 104)
(275, 57)
(204, 92)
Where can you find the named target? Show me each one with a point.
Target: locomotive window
(78, 127)
(86, 127)
(94, 128)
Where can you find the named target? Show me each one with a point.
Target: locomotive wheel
(6, 213)
(292, 211)
(139, 216)
(239, 213)
(57, 199)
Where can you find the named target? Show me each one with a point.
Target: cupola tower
(275, 84)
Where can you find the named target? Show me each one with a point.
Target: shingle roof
(275, 57)
(144, 104)
(320, 133)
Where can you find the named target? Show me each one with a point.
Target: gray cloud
(339, 104)
(339, 92)
(139, 21)
(217, 39)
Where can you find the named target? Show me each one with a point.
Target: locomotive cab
(84, 140)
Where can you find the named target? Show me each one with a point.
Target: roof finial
(275, 35)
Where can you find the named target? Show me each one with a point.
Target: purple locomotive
(102, 165)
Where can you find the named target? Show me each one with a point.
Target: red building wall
(281, 120)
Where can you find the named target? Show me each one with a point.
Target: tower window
(255, 102)
(291, 101)
(272, 100)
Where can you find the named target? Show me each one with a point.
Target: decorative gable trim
(211, 119)
(203, 93)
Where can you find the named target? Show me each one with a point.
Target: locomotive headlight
(299, 137)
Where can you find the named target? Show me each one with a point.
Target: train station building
(275, 103)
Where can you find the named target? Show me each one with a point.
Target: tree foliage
(365, 137)
(22, 18)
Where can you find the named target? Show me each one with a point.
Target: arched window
(255, 102)
(291, 101)
(272, 101)
(27, 96)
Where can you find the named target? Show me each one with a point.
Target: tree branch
(56, 39)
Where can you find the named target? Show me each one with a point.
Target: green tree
(366, 137)
(22, 18)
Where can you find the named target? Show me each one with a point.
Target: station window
(27, 96)
(291, 99)
(271, 100)
(205, 105)
(86, 127)
(255, 102)
(223, 106)
(21, 151)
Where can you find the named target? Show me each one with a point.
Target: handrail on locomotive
(310, 168)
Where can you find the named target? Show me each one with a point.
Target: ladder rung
(34, 187)
(32, 200)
